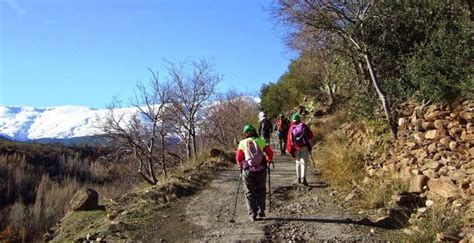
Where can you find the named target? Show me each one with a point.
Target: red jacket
(290, 147)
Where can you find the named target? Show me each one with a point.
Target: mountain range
(60, 123)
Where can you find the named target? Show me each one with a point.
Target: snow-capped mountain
(27, 123)
(62, 122)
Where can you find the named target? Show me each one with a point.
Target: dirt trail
(298, 212)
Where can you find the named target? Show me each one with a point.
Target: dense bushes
(299, 81)
(403, 49)
(422, 49)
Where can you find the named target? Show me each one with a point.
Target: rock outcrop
(85, 199)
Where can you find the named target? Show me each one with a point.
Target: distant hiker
(281, 129)
(265, 128)
(299, 146)
(253, 156)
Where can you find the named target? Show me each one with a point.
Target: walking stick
(269, 191)
(236, 196)
(275, 144)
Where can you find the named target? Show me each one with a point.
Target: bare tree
(157, 103)
(143, 134)
(324, 19)
(195, 84)
(225, 119)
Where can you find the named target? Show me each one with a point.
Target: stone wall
(434, 153)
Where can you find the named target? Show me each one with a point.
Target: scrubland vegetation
(37, 182)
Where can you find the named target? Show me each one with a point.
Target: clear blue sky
(84, 52)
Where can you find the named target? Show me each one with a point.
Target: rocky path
(298, 213)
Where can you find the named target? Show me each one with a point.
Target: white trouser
(301, 158)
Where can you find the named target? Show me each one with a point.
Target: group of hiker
(254, 156)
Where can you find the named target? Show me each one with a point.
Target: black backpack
(266, 127)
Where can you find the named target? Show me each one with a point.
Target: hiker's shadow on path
(285, 189)
(318, 185)
(364, 222)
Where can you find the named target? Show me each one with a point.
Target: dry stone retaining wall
(434, 153)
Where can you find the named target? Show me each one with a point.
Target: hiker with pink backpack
(299, 146)
(254, 156)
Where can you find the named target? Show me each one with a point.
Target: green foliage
(419, 49)
(302, 79)
(442, 67)
(422, 49)
(365, 104)
(280, 96)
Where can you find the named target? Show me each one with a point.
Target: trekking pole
(276, 142)
(236, 196)
(269, 191)
(274, 146)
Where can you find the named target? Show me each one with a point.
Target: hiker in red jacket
(299, 146)
(281, 129)
(253, 156)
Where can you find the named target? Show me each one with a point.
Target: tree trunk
(163, 150)
(146, 173)
(359, 70)
(329, 86)
(152, 172)
(383, 98)
(188, 147)
(151, 149)
(148, 180)
(330, 94)
(151, 169)
(193, 136)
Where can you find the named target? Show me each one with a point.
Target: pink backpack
(253, 154)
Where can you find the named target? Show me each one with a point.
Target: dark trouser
(282, 140)
(255, 190)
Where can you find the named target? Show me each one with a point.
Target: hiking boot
(298, 181)
(305, 182)
(253, 218)
(261, 214)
